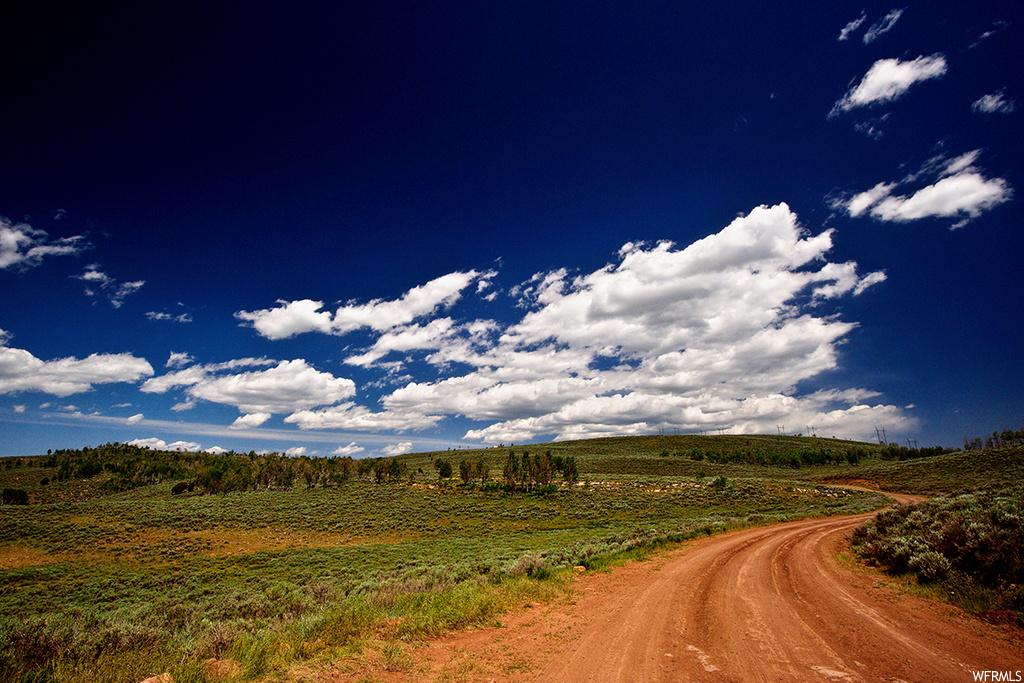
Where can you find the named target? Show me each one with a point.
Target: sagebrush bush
(980, 535)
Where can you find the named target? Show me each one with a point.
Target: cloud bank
(720, 335)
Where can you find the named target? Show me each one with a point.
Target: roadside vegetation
(124, 562)
(966, 544)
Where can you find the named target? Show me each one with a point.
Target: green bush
(977, 535)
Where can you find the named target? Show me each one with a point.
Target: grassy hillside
(944, 474)
(104, 576)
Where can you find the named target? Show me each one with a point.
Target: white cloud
(94, 275)
(98, 281)
(406, 338)
(179, 359)
(195, 374)
(996, 103)
(20, 408)
(352, 417)
(398, 448)
(957, 190)
(250, 421)
(134, 419)
(156, 444)
(883, 25)
(289, 319)
(713, 336)
(22, 246)
(350, 449)
(296, 451)
(870, 279)
(889, 79)
(287, 387)
(296, 317)
(719, 335)
(22, 371)
(182, 318)
(852, 26)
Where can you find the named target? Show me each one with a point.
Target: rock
(160, 678)
(222, 668)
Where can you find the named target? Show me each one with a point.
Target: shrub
(929, 566)
(978, 534)
(15, 497)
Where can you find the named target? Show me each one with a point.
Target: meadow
(123, 572)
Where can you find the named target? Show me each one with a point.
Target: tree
(466, 470)
(511, 472)
(444, 468)
(569, 470)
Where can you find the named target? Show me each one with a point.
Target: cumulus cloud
(352, 417)
(432, 335)
(287, 387)
(398, 448)
(350, 449)
(296, 317)
(250, 420)
(956, 189)
(134, 419)
(195, 374)
(156, 444)
(996, 103)
(888, 80)
(22, 371)
(296, 451)
(23, 247)
(714, 336)
(719, 335)
(883, 25)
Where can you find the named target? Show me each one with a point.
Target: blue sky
(403, 227)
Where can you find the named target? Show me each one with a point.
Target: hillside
(165, 559)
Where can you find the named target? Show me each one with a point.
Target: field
(104, 584)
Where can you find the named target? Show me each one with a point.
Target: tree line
(1007, 437)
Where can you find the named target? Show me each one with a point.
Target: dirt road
(765, 604)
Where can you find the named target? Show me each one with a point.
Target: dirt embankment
(764, 604)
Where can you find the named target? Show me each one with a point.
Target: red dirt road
(764, 604)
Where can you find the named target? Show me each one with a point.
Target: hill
(165, 559)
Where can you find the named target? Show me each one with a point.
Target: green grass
(941, 474)
(146, 581)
